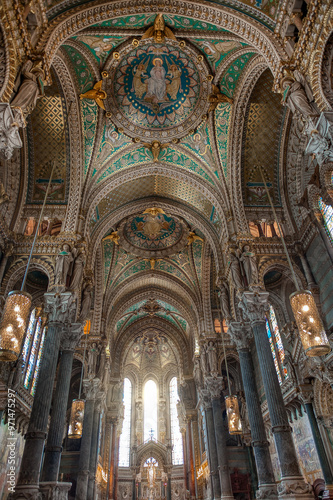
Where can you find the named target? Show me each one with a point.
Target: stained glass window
(276, 345)
(327, 213)
(125, 438)
(176, 437)
(33, 350)
(150, 410)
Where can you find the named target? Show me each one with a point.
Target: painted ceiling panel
(222, 122)
(231, 75)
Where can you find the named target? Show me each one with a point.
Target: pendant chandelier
(231, 401)
(77, 410)
(18, 304)
(308, 320)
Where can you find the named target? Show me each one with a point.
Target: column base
(328, 493)
(26, 492)
(54, 490)
(267, 491)
(295, 488)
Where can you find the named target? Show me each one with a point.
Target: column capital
(61, 307)
(241, 334)
(254, 305)
(71, 336)
(306, 393)
(91, 388)
(214, 387)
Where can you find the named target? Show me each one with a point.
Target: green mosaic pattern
(230, 77)
(99, 45)
(222, 121)
(216, 50)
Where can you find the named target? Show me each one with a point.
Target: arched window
(176, 437)
(327, 213)
(275, 342)
(150, 410)
(125, 438)
(33, 350)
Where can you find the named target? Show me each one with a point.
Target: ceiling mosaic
(158, 91)
(46, 132)
(264, 118)
(231, 76)
(216, 50)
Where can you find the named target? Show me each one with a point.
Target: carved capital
(254, 305)
(71, 336)
(91, 388)
(306, 393)
(241, 334)
(60, 306)
(214, 386)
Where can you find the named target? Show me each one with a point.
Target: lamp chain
(224, 354)
(83, 360)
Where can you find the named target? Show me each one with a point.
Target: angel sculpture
(159, 31)
(113, 237)
(154, 211)
(217, 97)
(297, 94)
(31, 88)
(192, 237)
(156, 147)
(96, 94)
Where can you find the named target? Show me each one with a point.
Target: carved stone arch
(165, 281)
(232, 369)
(76, 145)
(160, 169)
(121, 345)
(244, 89)
(87, 55)
(206, 290)
(137, 295)
(320, 64)
(151, 449)
(8, 60)
(17, 269)
(73, 20)
(169, 206)
(323, 398)
(279, 263)
(166, 278)
(230, 58)
(279, 306)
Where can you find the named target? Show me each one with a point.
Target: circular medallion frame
(158, 91)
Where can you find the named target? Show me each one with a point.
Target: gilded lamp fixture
(308, 320)
(77, 410)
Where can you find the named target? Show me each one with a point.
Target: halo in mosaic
(158, 92)
(153, 233)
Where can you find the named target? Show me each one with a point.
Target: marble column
(190, 458)
(212, 451)
(94, 446)
(169, 488)
(215, 387)
(307, 396)
(114, 422)
(292, 485)
(70, 339)
(241, 334)
(116, 469)
(91, 388)
(183, 433)
(59, 307)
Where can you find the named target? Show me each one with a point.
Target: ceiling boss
(157, 88)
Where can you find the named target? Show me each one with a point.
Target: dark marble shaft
(259, 441)
(212, 451)
(325, 466)
(82, 478)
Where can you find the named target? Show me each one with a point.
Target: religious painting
(156, 89)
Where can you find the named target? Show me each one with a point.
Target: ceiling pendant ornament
(157, 91)
(159, 31)
(96, 94)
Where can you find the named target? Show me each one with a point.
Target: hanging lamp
(18, 304)
(77, 410)
(308, 320)
(231, 401)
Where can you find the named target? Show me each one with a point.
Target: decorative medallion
(153, 234)
(158, 91)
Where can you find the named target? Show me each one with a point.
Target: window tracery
(276, 345)
(125, 437)
(327, 213)
(33, 350)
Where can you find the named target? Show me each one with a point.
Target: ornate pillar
(91, 388)
(114, 422)
(292, 485)
(116, 468)
(94, 445)
(307, 396)
(183, 433)
(70, 339)
(215, 386)
(190, 457)
(241, 334)
(212, 450)
(59, 306)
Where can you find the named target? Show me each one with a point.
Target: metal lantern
(234, 420)
(76, 419)
(309, 323)
(13, 324)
